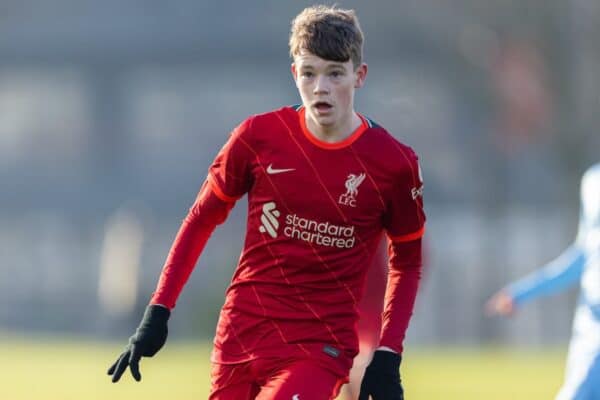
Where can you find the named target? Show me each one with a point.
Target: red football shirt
(316, 213)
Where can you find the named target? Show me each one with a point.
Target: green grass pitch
(72, 369)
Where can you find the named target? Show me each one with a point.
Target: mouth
(322, 106)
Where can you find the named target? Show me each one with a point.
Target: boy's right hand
(148, 339)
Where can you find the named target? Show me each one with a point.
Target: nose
(321, 85)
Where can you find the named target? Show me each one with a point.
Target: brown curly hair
(328, 32)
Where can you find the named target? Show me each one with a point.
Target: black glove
(382, 378)
(148, 339)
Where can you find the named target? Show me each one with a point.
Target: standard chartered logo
(269, 219)
(308, 230)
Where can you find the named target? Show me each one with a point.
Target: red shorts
(274, 379)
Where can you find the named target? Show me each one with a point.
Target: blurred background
(111, 112)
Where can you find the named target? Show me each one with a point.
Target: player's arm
(405, 264)
(382, 376)
(229, 178)
(404, 222)
(206, 213)
(557, 275)
(562, 272)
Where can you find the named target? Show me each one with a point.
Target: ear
(361, 75)
(294, 73)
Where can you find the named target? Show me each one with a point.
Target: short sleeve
(230, 173)
(404, 219)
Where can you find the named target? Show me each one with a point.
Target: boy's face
(327, 88)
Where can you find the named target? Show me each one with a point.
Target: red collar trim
(331, 146)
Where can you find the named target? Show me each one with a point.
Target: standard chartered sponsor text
(321, 233)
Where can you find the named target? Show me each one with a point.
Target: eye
(307, 74)
(336, 74)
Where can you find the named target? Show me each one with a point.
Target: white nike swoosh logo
(272, 171)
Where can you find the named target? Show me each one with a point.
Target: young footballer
(579, 263)
(323, 184)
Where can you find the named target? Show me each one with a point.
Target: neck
(334, 133)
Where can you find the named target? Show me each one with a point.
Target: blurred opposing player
(579, 263)
(323, 184)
